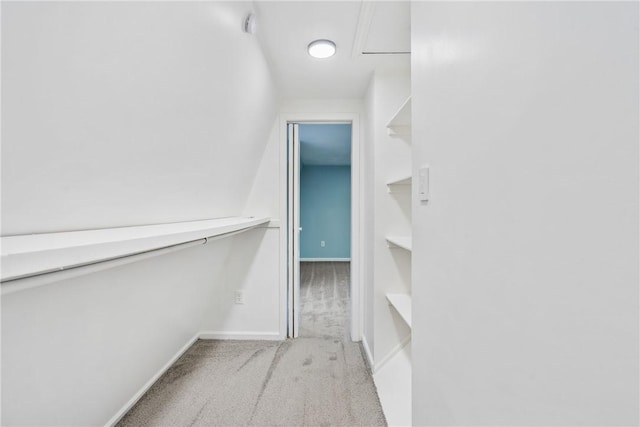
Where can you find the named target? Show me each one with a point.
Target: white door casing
(290, 146)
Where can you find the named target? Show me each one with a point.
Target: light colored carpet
(324, 299)
(317, 380)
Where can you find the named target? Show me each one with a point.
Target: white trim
(365, 17)
(357, 200)
(284, 235)
(367, 351)
(395, 350)
(325, 259)
(123, 411)
(296, 228)
(239, 335)
(202, 335)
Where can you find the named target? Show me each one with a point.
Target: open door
(290, 167)
(294, 229)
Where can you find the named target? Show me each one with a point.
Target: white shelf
(402, 304)
(29, 255)
(400, 184)
(404, 242)
(400, 123)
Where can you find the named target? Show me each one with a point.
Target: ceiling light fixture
(322, 48)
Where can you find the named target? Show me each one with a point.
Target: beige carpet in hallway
(324, 299)
(319, 379)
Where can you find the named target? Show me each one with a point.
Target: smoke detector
(249, 24)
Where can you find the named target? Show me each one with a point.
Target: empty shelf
(34, 254)
(401, 184)
(400, 123)
(402, 304)
(404, 242)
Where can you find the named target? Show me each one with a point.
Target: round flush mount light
(322, 48)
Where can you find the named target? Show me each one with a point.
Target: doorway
(323, 286)
(325, 229)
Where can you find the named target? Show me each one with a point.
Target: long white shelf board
(400, 123)
(28, 255)
(404, 242)
(402, 304)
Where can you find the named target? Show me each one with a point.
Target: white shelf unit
(36, 254)
(394, 377)
(400, 123)
(400, 185)
(391, 305)
(403, 242)
(402, 304)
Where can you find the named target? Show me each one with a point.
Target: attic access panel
(389, 28)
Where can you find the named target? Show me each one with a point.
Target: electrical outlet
(239, 297)
(322, 243)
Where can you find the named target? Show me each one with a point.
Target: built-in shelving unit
(400, 123)
(393, 372)
(35, 254)
(403, 242)
(402, 304)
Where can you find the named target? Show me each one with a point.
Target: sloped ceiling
(389, 29)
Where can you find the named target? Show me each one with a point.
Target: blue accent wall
(325, 211)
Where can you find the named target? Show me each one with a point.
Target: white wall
(525, 269)
(76, 351)
(265, 284)
(252, 266)
(118, 114)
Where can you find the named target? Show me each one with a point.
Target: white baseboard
(203, 335)
(325, 259)
(222, 335)
(367, 351)
(395, 350)
(393, 383)
(122, 412)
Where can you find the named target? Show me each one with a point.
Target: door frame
(356, 304)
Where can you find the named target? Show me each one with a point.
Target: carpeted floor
(324, 299)
(320, 379)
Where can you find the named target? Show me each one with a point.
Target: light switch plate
(423, 183)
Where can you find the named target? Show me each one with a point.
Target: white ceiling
(325, 144)
(285, 28)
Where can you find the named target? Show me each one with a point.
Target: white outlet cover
(239, 297)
